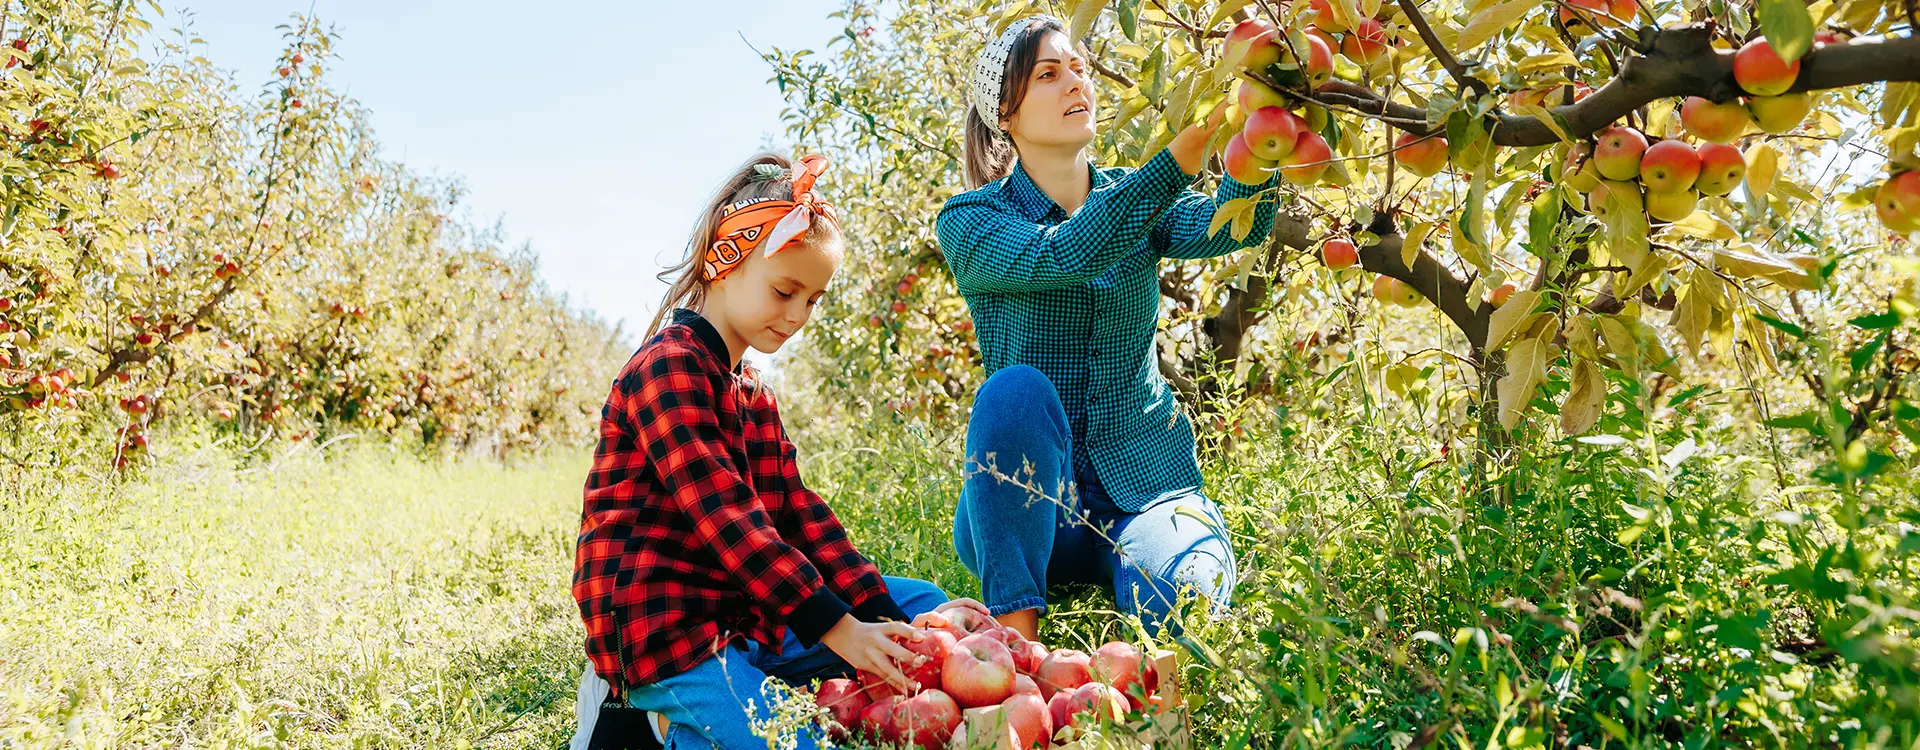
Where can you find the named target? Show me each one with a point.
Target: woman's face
(764, 303)
(1058, 110)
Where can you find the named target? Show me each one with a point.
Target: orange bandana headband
(769, 223)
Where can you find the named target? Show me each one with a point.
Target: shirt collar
(1032, 201)
(705, 333)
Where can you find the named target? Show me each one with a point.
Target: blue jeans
(1033, 516)
(711, 704)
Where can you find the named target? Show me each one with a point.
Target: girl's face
(1058, 110)
(766, 300)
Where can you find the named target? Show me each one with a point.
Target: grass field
(367, 599)
(1637, 592)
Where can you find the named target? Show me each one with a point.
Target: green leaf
(1542, 219)
(1129, 12)
(1614, 728)
(1788, 328)
(1862, 357)
(1788, 27)
(1876, 321)
(1809, 421)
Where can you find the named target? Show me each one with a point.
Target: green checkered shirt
(1078, 298)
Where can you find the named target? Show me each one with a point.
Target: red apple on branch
(1760, 71)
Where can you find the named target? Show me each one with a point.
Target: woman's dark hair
(989, 156)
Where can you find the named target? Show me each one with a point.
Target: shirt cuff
(880, 608)
(816, 615)
(1231, 188)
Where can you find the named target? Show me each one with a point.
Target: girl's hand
(874, 647)
(1190, 146)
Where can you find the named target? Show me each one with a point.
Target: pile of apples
(1674, 173)
(983, 685)
(1273, 135)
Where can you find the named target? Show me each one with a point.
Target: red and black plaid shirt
(697, 530)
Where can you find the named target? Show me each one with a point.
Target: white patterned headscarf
(990, 69)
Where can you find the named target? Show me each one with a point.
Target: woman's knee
(1018, 429)
(1017, 400)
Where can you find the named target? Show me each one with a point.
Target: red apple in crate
(1089, 703)
(932, 648)
(844, 701)
(1025, 684)
(1032, 722)
(1005, 635)
(1122, 665)
(1063, 670)
(875, 685)
(927, 719)
(877, 719)
(933, 621)
(979, 672)
(1027, 656)
(969, 622)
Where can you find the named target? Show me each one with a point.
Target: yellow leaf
(1760, 337)
(1546, 118)
(1243, 225)
(1178, 103)
(1551, 60)
(1084, 16)
(1132, 50)
(1486, 23)
(1648, 267)
(1692, 313)
(1762, 164)
(1506, 320)
(1345, 12)
(1226, 9)
(1747, 262)
(1858, 199)
(1581, 338)
(1585, 400)
(1526, 369)
(1788, 189)
(1410, 247)
(1225, 212)
(1620, 343)
(1704, 225)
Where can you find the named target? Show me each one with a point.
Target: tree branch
(1102, 69)
(1668, 63)
(1440, 51)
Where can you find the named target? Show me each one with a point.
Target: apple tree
(170, 245)
(1593, 210)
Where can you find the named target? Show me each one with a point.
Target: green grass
(369, 599)
(1663, 589)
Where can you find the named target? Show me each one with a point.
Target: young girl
(1059, 262)
(704, 565)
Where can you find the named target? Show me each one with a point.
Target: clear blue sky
(594, 130)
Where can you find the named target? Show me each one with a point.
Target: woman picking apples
(1079, 466)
